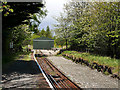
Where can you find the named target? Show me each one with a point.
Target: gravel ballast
(82, 75)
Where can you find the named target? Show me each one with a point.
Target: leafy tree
(22, 12)
(35, 21)
(33, 36)
(5, 8)
(93, 26)
(108, 26)
(59, 41)
(74, 11)
(19, 35)
(62, 29)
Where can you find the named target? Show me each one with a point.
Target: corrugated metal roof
(42, 38)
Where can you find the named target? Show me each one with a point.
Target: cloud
(54, 8)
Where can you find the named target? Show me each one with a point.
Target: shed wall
(43, 44)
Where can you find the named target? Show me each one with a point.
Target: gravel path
(23, 74)
(50, 52)
(82, 75)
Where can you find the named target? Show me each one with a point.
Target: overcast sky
(54, 7)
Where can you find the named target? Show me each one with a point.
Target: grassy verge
(106, 61)
(24, 56)
(11, 56)
(6, 58)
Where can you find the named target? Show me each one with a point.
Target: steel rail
(49, 76)
(61, 81)
(55, 81)
(68, 80)
(51, 86)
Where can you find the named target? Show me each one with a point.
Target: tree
(59, 41)
(75, 13)
(92, 25)
(48, 33)
(33, 36)
(35, 21)
(19, 36)
(107, 24)
(5, 8)
(22, 12)
(69, 25)
(62, 29)
(42, 33)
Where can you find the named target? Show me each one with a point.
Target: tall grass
(102, 60)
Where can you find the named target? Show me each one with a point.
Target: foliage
(59, 41)
(45, 33)
(33, 36)
(48, 33)
(14, 26)
(20, 36)
(22, 11)
(42, 33)
(62, 29)
(35, 21)
(5, 8)
(93, 26)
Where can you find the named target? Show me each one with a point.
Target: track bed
(56, 77)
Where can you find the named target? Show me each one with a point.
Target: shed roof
(43, 39)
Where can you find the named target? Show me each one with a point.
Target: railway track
(55, 78)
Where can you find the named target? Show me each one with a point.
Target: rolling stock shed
(43, 43)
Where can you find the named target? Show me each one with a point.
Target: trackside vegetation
(91, 59)
(16, 56)
(90, 26)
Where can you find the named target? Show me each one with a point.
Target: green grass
(110, 62)
(26, 57)
(6, 58)
(31, 47)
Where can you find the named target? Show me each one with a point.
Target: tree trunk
(66, 43)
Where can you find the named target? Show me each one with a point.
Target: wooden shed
(43, 43)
